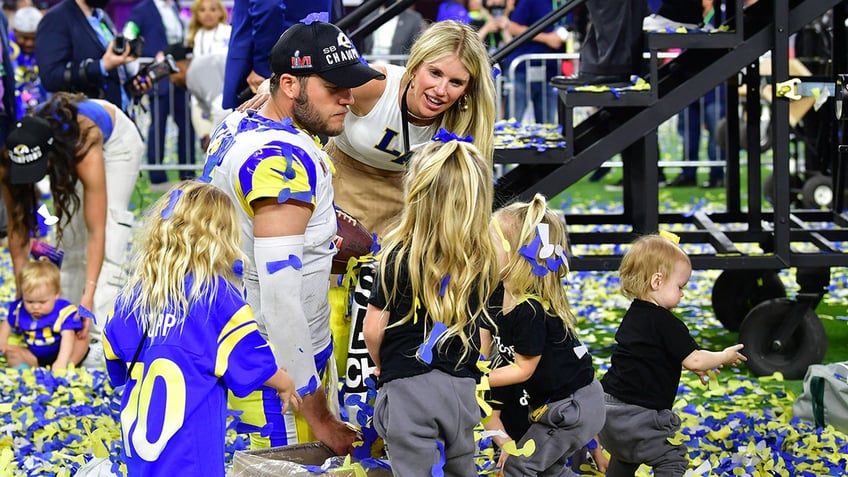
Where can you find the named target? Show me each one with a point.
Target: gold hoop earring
(463, 102)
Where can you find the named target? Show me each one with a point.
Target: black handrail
(368, 28)
(359, 13)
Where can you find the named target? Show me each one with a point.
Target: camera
(121, 43)
(154, 71)
(497, 12)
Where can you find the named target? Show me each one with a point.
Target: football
(352, 240)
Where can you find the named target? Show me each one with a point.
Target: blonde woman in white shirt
(208, 34)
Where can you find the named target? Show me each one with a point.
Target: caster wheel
(817, 192)
(736, 292)
(795, 185)
(804, 347)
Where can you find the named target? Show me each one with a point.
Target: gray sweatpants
(635, 435)
(563, 429)
(413, 414)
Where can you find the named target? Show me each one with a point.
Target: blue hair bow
(444, 136)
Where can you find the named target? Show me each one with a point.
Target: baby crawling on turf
(651, 345)
(45, 322)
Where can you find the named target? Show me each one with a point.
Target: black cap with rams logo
(28, 144)
(320, 48)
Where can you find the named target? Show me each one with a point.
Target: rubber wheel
(795, 185)
(736, 292)
(817, 192)
(806, 346)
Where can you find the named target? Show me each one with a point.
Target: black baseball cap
(321, 49)
(28, 144)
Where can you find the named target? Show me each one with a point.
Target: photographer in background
(159, 23)
(73, 45)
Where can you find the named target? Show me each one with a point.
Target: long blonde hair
(648, 255)
(191, 230)
(478, 120)
(442, 233)
(194, 24)
(518, 223)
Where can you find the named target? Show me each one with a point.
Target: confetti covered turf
(52, 423)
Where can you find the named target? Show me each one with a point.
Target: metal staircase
(779, 333)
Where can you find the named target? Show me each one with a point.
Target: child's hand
(502, 462)
(287, 392)
(601, 460)
(703, 376)
(732, 355)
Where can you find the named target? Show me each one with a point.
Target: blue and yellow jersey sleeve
(277, 169)
(67, 318)
(243, 358)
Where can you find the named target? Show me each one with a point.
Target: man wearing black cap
(271, 164)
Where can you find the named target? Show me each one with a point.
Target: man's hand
(254, 80)
(111, 60)
(327, 428)
(142, 84)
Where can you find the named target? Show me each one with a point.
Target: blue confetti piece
(444, 285)
(172, 202)
(310, 387)
(277, 265)
(314, 469)
(438, 469)
(286, 194)
(316, 17)
(375, 244)
(238, 268)
(372, 463)
(425, 351)
(84, 312)
(696, 207)
(554, 263)
(496, 71)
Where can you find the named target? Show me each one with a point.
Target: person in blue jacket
(257, 25)
(160, 25)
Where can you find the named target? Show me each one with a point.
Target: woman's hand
(255, 102)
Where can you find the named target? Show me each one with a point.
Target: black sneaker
(681, 181)
(586, 79)
(713, 183)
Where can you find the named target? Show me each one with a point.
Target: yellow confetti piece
(6, 457)
(511, 448)
(776, 377)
